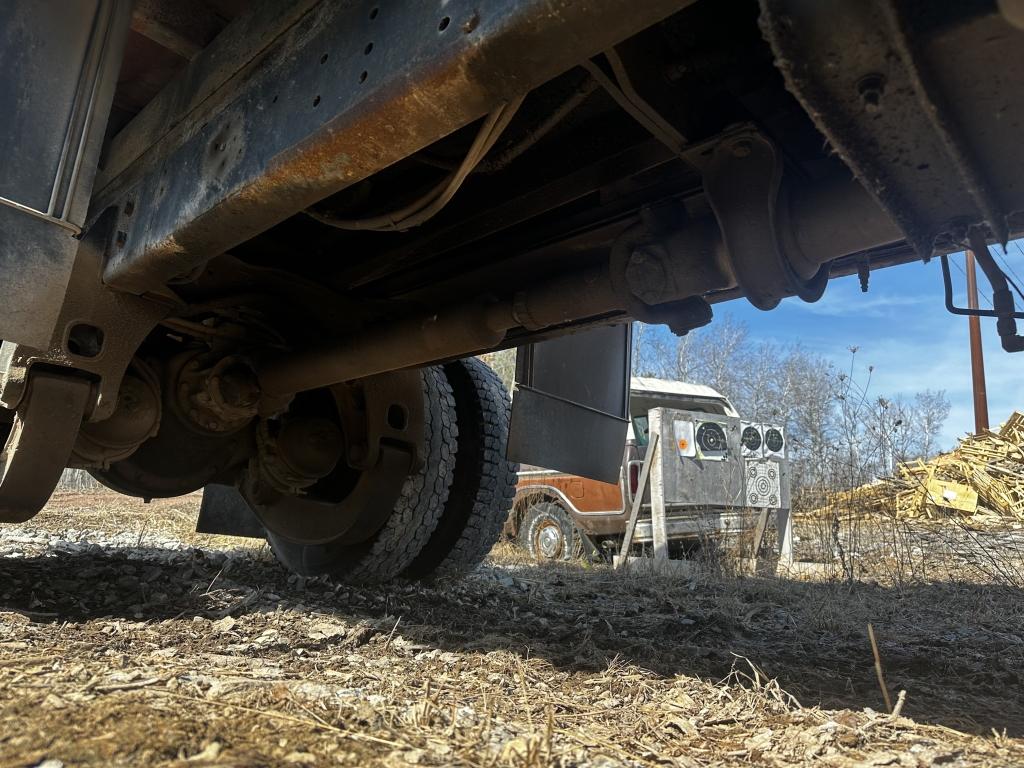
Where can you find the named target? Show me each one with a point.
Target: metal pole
(977, 355)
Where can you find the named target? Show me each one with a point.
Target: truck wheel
(415, 514)
(548, 533)
(484, 482)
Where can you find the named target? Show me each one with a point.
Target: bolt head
(870, 89)
(647, 277)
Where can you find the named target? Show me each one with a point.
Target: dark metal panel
(570, 407)
(60, 62)
(44, 45)
(349, 89)
(225, 511)
(547, 431)
(36, 258)
(589, 368)
(182, 26)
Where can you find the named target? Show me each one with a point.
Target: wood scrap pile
(981, 479)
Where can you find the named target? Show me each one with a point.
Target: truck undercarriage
(231, 259)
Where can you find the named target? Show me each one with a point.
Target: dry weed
(139, 643)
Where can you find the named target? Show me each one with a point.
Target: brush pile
(981, 479)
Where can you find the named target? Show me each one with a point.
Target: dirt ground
(126, 639)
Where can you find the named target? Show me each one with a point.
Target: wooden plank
(638, 498)
(762, 523)
(983, 477)
(784, 528)
(659, 528)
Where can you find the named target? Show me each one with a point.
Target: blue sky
(901, 328)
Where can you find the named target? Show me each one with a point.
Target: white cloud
(841, 302)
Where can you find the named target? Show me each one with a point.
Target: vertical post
(638, 497)
(977, 355)
(659, 530)
(762, 524)
(784, 528)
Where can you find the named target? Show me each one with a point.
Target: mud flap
(570, 405)
(224, 511)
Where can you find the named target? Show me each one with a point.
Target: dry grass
(154, 646)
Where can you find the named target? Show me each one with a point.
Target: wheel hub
(549, 540)
(333, 466)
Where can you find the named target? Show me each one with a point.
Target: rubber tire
(415, 515)
(484, 484)
(547, 512)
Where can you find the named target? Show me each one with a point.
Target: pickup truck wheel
(415, 514)
(484, 481)
(548, 533)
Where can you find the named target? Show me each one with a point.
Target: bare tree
(931, 411)
(840, 433)
(654, 352)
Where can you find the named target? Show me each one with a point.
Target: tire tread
(484, 488)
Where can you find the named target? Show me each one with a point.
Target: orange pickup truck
(552, 508)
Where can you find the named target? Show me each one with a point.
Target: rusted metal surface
(742, 183)
(977, 354)
(135, 420)
(39, 443)
(383, 423)
(325, 109)
(217, 392)
(184, 27)
(386, 347)
(913, 98)
(203, 88)
(180, 458)
(118, 322)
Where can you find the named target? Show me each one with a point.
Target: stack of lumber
(981, 479)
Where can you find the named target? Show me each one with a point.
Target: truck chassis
(252, 248)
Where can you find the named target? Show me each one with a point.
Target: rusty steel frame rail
(345, 90)
(928, 130)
